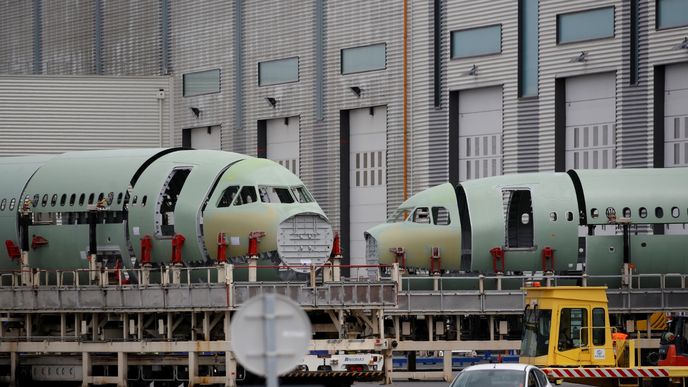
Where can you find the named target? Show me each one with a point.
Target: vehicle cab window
(228, 196)
(532, 379)
(541, 377)
(573, 329)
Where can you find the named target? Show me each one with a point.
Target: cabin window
(675, 212)
(421, 215)
(44, 202)
(144, 200)
(594, 213)
(598, 326)
(13, 201)
(72, 199)
(569, 216)
(659, 212)
(3, 203)
(626, 212)
(119, 198)
(642, 212)
(82, 199)
(228, 196)
(553, 216)
(100, 199)
(91, 198)
(440, 216)
(573, 329)
(167, 202)
(275, 195)
(399, 215)
(247, 195)
(136, 199)
(519, 225)
(36, 199)
(63, 200)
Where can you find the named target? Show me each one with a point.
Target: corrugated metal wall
(16, 37)
(201, 36)
(40, 114)
(127, 37)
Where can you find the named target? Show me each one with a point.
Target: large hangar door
(590, 127)
(590, 121)
(676, 124)
(367, 176)
(282, 142)
(480, 133)
(206, 137)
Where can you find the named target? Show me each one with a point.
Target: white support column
(193, 368)
(170, 324)
(397, 329)
(85, 369)
(28, 326)
(206, 326)
(63, 326)
(193, 326)
(492, 326)
(381, 323)
(458, 328)
(139, 326)
(231, 369)
(14, 363)
(122, 369)
(388, 366)
(252, 269)
(447, 366)
(431, 327)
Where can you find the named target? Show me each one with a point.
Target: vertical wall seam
(164, 37)
(98, 40)
(319, 62)
(37, 37)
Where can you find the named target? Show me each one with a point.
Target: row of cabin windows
(36, 200)
(642, 212)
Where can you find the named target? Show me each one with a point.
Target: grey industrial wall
(159, 37)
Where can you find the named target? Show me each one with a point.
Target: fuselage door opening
(519, 219)
(167, 201)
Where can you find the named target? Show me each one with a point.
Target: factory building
(367, 101)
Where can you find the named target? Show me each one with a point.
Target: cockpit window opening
(247, 195)
(228, 196)
(440, 216)
(421, 215)
(301, 194)
(399, 215)
(275, 195)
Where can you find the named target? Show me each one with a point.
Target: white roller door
(207, 137)
(283, 142)
(480, 133)
(676, 116)
(591, 122)
(676, 124)
(367, 175)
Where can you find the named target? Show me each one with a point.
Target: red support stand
(548, 257)
(399, 256)
(253, 240)
(13, 250)
(222, 247)
(435, 260)
(336, 247)
(498, 259)
(177, 244)
(146, 249)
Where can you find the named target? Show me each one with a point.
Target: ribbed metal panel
(603, 55)
(353, 23)
(68, 37)
(131, 37)
(42, 114)
(634, 101)
(16, 37)
(492, 70)
(201, 39)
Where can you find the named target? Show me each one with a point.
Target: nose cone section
(304, 239)
(382, 239)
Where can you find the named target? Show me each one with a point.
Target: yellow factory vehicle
(567, 333)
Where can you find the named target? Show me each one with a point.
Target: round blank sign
(270, 330)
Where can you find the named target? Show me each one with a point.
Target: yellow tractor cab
(567, 326)
(566, 332)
